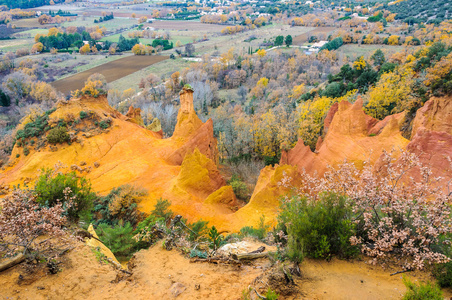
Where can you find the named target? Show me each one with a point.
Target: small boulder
(177, 289)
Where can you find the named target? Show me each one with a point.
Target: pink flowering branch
(400, 206)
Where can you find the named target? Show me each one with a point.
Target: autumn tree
(261, 52)
(391, 94)
(85, 49)
(44, 19)
(42, 91)
(150, 81)
(139, 49)
(393, 40)
(95, 85)
(439, 76)
(38, 47)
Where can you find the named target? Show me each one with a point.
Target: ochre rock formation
(435, 115)
(134, 115)
(380, 125)
(273, 184)
(348, 137)
(181, 169)
(95, 243)
(431, 136)
(352, 135)
(191, 132)
(156, 126)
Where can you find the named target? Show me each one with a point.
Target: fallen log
(249, 256)
(215, 260)
(12, 262)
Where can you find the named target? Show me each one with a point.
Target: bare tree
(189, 50)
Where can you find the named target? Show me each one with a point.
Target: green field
(13, 45)
(111, 25)
(354, 51)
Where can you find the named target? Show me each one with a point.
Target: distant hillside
(417, 11)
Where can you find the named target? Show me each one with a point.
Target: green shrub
(198, 253)
(120, 204)
(119, 238)
(36, 127)
(26, 151)
(150, 221)
(58, 135)
(259, 233)
(427, 291)
(319, 228)
(443, 274)
(198, 230)
(83, 115)
(52, 188)
(271, 295)
(104, 124)
(239, 187)
(215, 238)
(161, 209)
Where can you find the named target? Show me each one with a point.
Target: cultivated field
(354, 51)
(251, 38)
(163, 68)
(186, 26)
(321, 32)
(112, 71)
(33, 23)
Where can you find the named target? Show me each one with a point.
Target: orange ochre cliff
(357, 137)
(183, 168)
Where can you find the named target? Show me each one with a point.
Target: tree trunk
(12, 262)
(249, 256)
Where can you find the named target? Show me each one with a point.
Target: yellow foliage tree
(43, 91)
(393, 40)
(310, 119)
(297, 91)
(360, 63)
(53, 31)
(38, 36)
(38, 47)
(139, 49)
(265, 135)
(84, 49)
(391, 94)
(440, 70)
(261, 52)
(263, 82)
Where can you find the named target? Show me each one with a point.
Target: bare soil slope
(159, 274)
